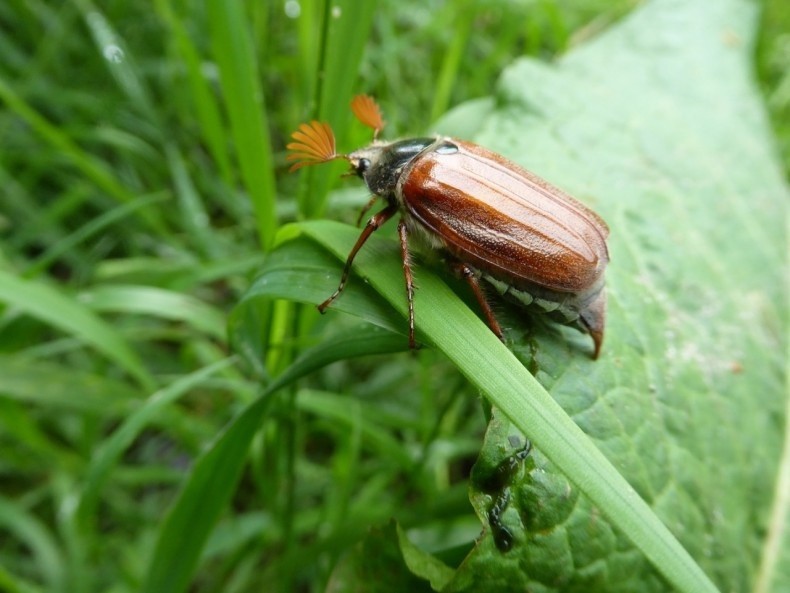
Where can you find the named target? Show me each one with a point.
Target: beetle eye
(364, 165)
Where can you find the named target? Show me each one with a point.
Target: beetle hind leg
(593, 318)
(403, 235)
(471, 278)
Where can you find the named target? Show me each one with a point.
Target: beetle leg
(403, 234)
(366, 208)
(374, 223)
(593, 317)
(471, 279)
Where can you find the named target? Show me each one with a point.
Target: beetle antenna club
(367, 111)
(497, 222)
(314, 143)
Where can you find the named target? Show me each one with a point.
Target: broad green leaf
(376, 555)
(657, 125)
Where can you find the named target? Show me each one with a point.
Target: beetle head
(382, 163)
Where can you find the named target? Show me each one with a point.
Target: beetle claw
(593, 317)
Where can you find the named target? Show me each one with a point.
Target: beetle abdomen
(500, 218)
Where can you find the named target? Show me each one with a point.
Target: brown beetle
(497, 221)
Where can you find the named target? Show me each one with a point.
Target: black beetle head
(382, 163)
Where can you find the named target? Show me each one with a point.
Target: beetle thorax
(382, 163)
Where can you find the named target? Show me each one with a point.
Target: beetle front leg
(366, 208)
(374, 223)
(403, 234)
(471, 279)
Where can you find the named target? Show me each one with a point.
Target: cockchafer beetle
(494, 220)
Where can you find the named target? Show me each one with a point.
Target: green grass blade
(38, 539)
(91, 228)
(462, 26)
(87, 164)
(341, 411)
(244, 100)
(119, 60)
(53, 307)
(773, 568)
(195, 219)
(315, 284)
(214, 477)
(207, 109)
(347, 30)
(344, 29)
(113, 448)
(21, 380)
(158, 302)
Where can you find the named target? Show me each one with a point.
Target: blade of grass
(244, 100)
(119, 60)
(38, 539)
(158, 302)
(345, 28)
(51, 306)
(207, 109)
(213, 479)
(18, 425)
(779, 525)
(11, 584)
(113, 448)
(309, 23)
(21, 380)
(312, 279)
(89, 229)
(452, 60)
(356, 416)
(90, 166)
(193, 212)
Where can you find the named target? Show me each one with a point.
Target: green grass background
(142, 182)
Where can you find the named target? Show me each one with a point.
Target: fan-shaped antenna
(368, 112)
(314, 144)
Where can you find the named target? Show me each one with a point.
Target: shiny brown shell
(498, 217)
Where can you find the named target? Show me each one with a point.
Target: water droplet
(292, 9)
(113, 54)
